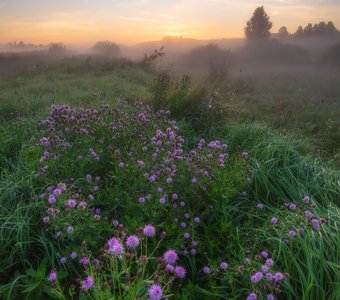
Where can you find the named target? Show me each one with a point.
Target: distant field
(234, 193)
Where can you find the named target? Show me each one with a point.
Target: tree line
(259, 26)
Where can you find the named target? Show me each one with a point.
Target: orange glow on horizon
(129, 22)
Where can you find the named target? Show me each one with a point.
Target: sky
(133, 21)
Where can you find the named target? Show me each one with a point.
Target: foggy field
(180, 168)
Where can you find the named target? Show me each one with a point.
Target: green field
(281, 128)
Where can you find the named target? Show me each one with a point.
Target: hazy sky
(132, 21)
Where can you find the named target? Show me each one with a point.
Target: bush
(106, 49)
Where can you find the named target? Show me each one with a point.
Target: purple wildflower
(69, 229)
(88, 283)
(132, 242)
(260, 206)
(169, 268)
(252, 296)
(269, 262)
(256, 277)
(116, 248)
(292, 233)
(155, 292)
(52, 277)
(63, 260)
(84, 261)
(223, 265)
(170, 257)
(316, 224)
(180, 272)
(71, 203)
(52, 199)
(292, 207)
(274, 220)
(149, 231)
(306, 199)
(278, 276)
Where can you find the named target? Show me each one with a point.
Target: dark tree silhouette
(299, 31)
(258, 27)
(283, 32)
(331, 28)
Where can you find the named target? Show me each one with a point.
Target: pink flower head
(88, 283)
(274, 220)
(71, 203)
(180, 272)
(252, 296)
(52, 277)
(256, 277)
(52, 199)
(116, 249)
(84, 261)
(132, 242)
(223, 265)
(155, 292)
(169, 268)
(170, 257)
(149, 231)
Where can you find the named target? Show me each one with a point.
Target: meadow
(119, 181)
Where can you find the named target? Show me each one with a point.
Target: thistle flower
(116, 248)
(256, 277)
(88, 283)
(223, 265)
(180, 272)
(132, 242)
(155, 292)
(73, 255)
(260, 206)
(316, 224)
(269, 262)
(278, 276)
(71, 203)
(52, 277)
(169, 268)
(52, 199)
(206, 270)
(70, 229)
(252, 296)
(84, 261)
(306, 199)
(274, 220)
(292, 233)
(292, 207)
(63, 260)
(170, 257)
(149, 231)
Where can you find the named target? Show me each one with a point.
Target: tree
(107, 49)
(258, 27)
(331, 28)
(57, 49)
(299, 31)
(283, 32)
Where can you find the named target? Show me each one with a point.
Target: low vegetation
(180, 195)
